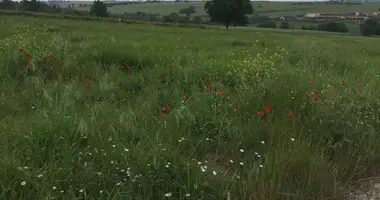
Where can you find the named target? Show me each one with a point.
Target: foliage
(187, 11)
(99, 9)
(284, 25)
(7, 5)
(176, 18)
(310, 27)
(370, 27)
(32, 6)
(268, 24)
(333, 27)
(229, 11)
(172, 17)
(197, 20)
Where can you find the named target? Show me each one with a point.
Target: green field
(262, 8)
(97, 110)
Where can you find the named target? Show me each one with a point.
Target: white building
(312, 15)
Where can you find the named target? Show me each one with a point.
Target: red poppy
(92, 81)
(164, 108)
(308, 94)
(104, 122)
(27, 54)
(268, 108)
(219, 105)
(235, 110)
(115, 121)
(220, 92)
(208, 89)
(260, 113)
(310, 83)
(170, 66)
(290, 115)
(145, 116)
(121, 67)
(184, 97)
(21, 49)
(345, 82)
(316, 96)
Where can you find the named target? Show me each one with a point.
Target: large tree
(229, 11)
(99, 9)
(32, 5)
(370, 26)
(6, 4)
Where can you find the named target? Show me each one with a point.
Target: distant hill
(275, 9)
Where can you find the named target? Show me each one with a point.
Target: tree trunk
(227, 25)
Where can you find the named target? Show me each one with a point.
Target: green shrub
(197, 20)
(268, 24)
(284, 25)
(333, 27)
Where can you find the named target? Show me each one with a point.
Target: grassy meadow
(94, 110)
(273, 9)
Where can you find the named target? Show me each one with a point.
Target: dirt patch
(367, 189)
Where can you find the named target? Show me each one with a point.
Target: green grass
(263, 8)
(113, 111)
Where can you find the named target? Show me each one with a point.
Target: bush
(197, 20)
(174, 17)
(311, 27)
(183, 19)
(284, 25)
(365, 30)
(333, 27)
(268, 24)
(370, 27)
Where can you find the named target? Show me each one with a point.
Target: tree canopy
(370, 26)
(6, 4)
(99, 9)
(229, 11)
(187, 11)
(32, 6)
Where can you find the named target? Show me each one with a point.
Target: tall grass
(102, 111)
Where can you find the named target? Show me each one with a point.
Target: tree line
(226, 12)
